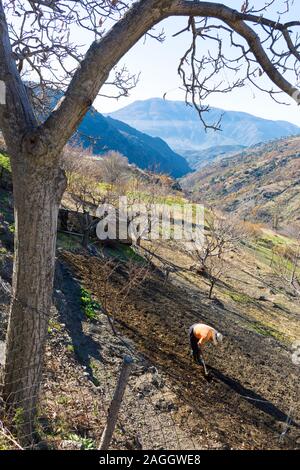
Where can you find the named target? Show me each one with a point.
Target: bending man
(199, 335)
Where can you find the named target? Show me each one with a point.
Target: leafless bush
(84, 175)
(114, 167)
(286, 259)
(222, 237)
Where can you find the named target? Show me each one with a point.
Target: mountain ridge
(179, 125)
(102, 134)
(105, 133)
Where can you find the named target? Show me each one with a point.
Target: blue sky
(158, 63)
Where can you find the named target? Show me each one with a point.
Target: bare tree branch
(16, 114)
(138, 20)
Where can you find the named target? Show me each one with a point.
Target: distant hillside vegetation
(200, 158)
(258, 183)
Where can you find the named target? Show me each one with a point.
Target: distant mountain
(179, 125)
(104, 133)
(253, 184)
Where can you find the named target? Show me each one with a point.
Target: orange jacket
(204, 333)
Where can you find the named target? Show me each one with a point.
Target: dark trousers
(194, 345)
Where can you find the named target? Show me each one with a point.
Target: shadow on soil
(67, 301)
(254, 398)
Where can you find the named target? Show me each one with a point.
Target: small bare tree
(84, 175)
(114, 167)
(144, 196)
(86, 197)
(294, 255)
(285, 261)
(222, 237)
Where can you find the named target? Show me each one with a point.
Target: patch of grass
(89, 305)
(5, 162)
(95, 370)
(105, 186)
(275, 238)
(18, 420)
(60, 428)
(68, 242)
(5, 444)
(54, 325)
(63, 400)
(12, 228)
(129, 253)
(86, 443)
(268, 331)
(265, 244)
(172, 200)
(267, 256)
(239, 297)
(264, 253)
(145, 197)
(125, 253)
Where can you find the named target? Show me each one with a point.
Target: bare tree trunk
(295, 265)
(85, 239)
(212, 285)
(86, 227)
(36, 209)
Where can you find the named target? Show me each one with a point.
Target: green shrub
(12, 228)
(70, 348)
(5, 162)
(89, 305)
(86, 443)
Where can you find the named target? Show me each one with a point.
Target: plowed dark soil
(252, 401)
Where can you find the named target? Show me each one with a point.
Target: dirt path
(255, 386)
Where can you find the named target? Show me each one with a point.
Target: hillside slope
(252, 401)
(179, 125)
(200, 158)
(103, 134)
(255, 183)
(254, 382)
